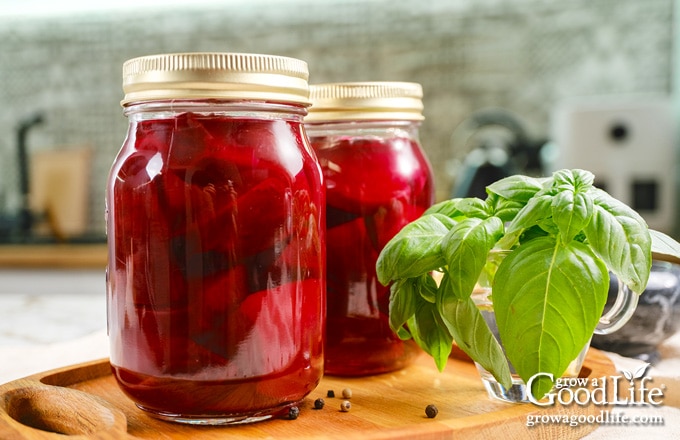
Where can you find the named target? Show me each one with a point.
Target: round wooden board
(85, 399)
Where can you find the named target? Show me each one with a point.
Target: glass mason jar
(377, 180)
(215, 222)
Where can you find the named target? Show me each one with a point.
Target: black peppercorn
(319, 403)
(293, 413)
(330, 393)
(431, 411)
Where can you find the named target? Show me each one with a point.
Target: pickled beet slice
(303, 257)
(336, 217)
(146, 242)
(254, 134)
(284, 315)
(262, 215)
(214, 297)
(267, 320)
(351, 276)
(191, 138)
(388, 220)
(155, 279)
(183, 140)
(347, 164)
(230, 217)
(153, 136)
(149, 341)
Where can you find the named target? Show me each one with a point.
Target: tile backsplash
(519, 55)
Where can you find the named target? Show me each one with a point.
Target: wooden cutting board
(84, 401)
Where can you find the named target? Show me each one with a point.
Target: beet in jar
(215, 222)
(377, 180)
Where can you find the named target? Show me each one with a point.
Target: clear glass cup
(613, 319)
(656, 318)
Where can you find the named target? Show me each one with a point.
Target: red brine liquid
(375, 186)
(216, 266)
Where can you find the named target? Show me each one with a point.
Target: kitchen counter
(53, 255)
(49, 306)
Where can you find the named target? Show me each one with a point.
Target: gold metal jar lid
(378, 100)
(205, 75)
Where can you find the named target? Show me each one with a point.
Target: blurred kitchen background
(494, 72)
(510, 86)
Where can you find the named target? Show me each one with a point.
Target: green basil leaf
(548, 299)
(460, 208)
(448, 208)
(533, 232)
(509, 195)
(620, 237)
(474, 207)
(571, 212)
(516, 188)
(427, 288)
(510, 239)
(576, 180)
(502, 208)
(537, 209)
(466, 324)
(403, 301)
(664, 247)
(465, 249)
(430, 333)
(549, 226)
(415, 249)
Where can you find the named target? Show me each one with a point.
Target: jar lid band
(377, 100)
(205, 75)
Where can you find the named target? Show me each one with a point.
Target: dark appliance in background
(489, 145)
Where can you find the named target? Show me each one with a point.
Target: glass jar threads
(215, 222)
(377, 180)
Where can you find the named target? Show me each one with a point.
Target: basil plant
(564, 237)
